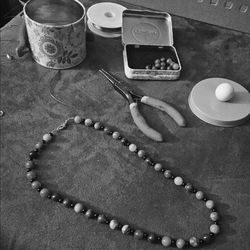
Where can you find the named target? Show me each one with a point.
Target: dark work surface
(89, 166)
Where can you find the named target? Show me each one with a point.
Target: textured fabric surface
(89, 166)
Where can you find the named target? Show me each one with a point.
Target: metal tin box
(147, 36)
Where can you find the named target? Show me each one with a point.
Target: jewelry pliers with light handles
(139, 120)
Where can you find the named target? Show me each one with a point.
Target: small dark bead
(138, 234)
(33, 154)
(107, 130)
(163, 170)
(102, 127)
(66, 202)
(119, 137)
(213, 210)
(51, 134)
(216, 222)
(211, 234)
(131, 231)
(28, 170)
(55, 197)
(101, 218)
(151, 238)
(194, 190)
(159, 238)
(144, 157)
(152, 163)
(206, 238)
(136, 151)
(72, 205)
(148, 161)
(119, 226)
(201, 241)
(187, 243)
(183, 184)
(39, 189)
(172, 177)
(124, 141)
(89, 213)
(173, 241)
(204, 199)
(189, 187)
(43, 141)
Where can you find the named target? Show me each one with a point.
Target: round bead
(178, 181)
(138, 234)
(175, 66)
(36, 185)
(77, 119)
(132, 147)
(158, 167)
(66, 202)
(89, 213)
(167, 174)
(39, 145)
(113, 224)
(115, 135)
(44, 193)
(33, 154)
(141, 153)
(180, 243)
(157, 61)
(206, 238)
(209, 204)
(78, 207)
(151, 237)
(55, 197)
(166, 241)
(188, 187)
(169, 61)
(29, 164)
(101, 218)
(214, 216)
(47, 137)
(97, 125)
(31, 175)
(215, 229)
(193, 241)
(88, 122)
(199, 195)
(125, 229)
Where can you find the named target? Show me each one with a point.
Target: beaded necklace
(112, 223)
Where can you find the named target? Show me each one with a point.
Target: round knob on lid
(224, 92)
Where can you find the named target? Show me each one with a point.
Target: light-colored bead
(141, 153)
(77, 119)
(125, 229)
(132, 147)
(178, 181)
(209, 204)
(167, 174)
(97, 125)
(214, 229)
(193, 241)
(88, 122)
(214, 216)
(199, 195)
(29, 164)
(78, 207)
(115, 135)
(47, 137)
(39, 145)
(158, 167)
(180, 243)
(166, 241)
(113, 224)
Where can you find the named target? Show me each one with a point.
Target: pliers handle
(156, 103)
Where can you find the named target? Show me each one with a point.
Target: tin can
(56, 32)
(147, 36)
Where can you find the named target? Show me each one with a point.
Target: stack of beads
(164, 64)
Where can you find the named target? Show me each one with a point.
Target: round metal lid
(205, 105)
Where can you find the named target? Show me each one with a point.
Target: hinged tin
(147, 36)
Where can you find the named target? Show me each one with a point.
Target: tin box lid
(144, 27)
